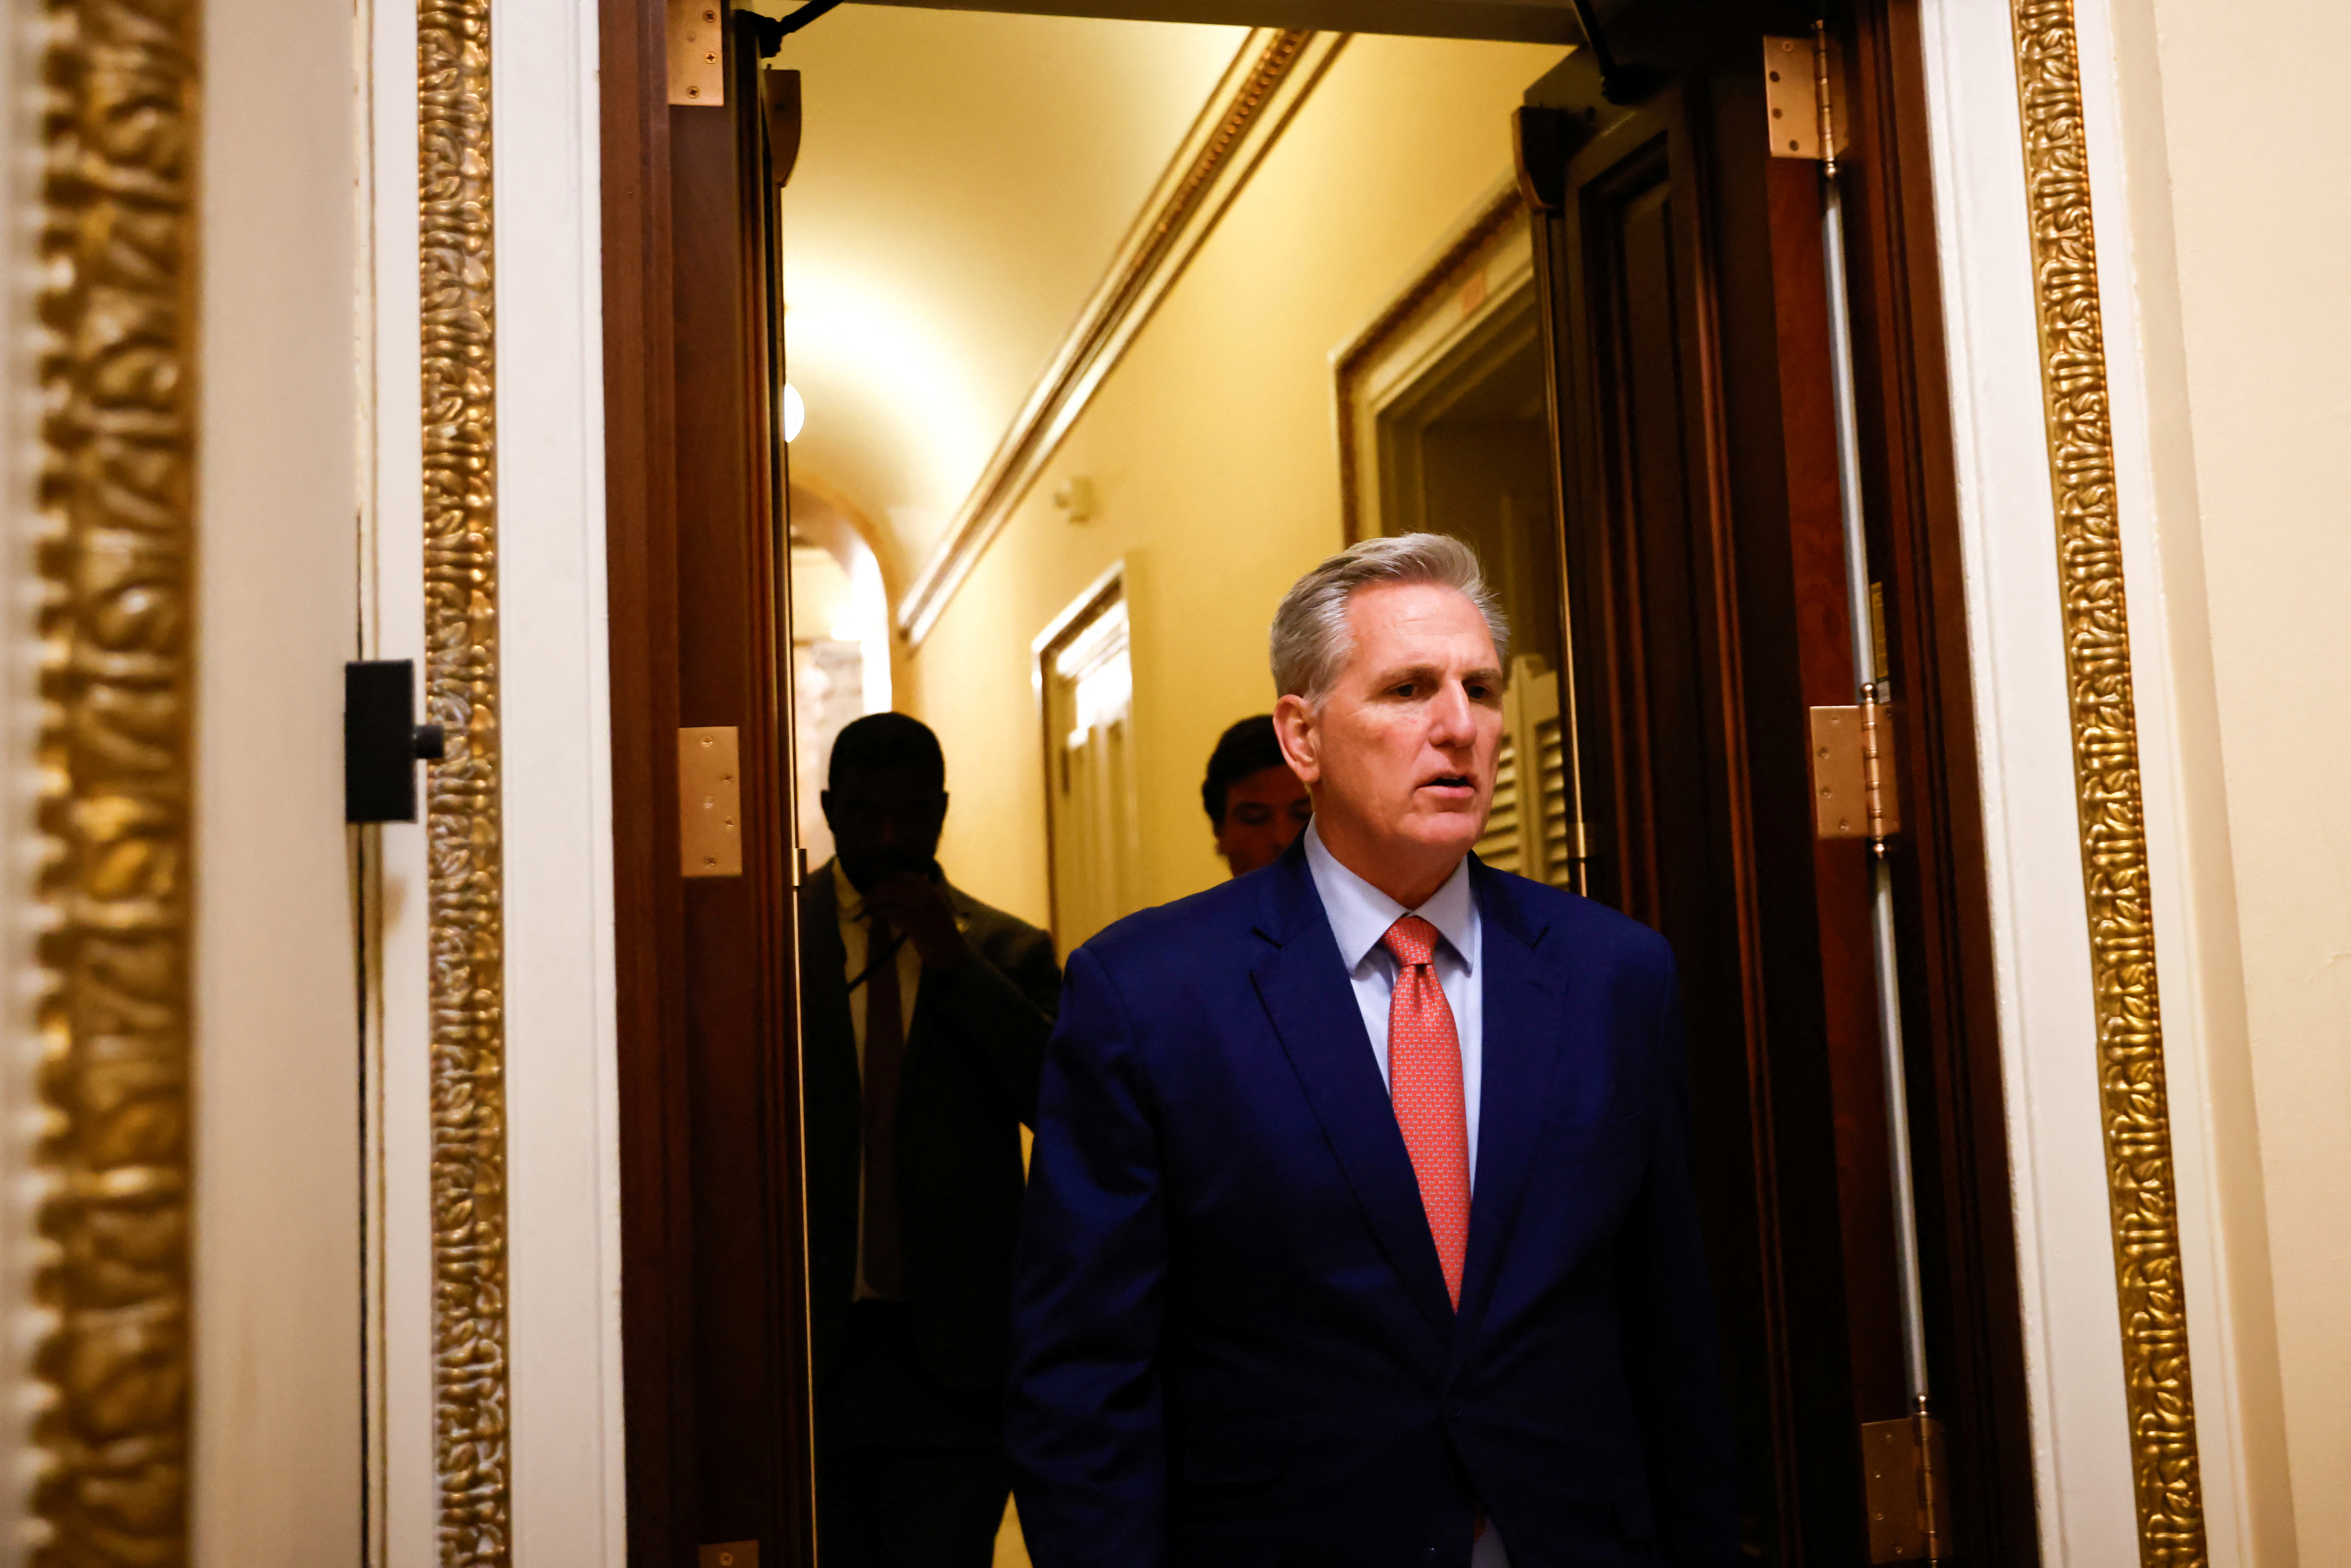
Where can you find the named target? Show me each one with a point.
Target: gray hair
(1312, 641)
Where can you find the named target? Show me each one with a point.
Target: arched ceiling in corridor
(964, 181)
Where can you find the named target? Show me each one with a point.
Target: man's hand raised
(918, 906)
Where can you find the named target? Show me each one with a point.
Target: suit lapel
(1520, 1030)
(821, 954)
(1306, 993)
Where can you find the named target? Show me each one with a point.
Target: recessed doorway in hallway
(1096, 333)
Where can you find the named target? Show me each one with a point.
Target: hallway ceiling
(1525, 21)
(964, 180)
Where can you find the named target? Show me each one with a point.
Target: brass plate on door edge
(697, 38)
(709, 802)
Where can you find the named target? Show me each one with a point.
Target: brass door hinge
(1902, 1487)
(1853, 772)
(709, 802)
(698, 52)
(1793, 99)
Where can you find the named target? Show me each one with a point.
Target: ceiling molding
(1508, 21)
(1270, 77)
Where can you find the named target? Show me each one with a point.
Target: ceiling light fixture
(795, 413)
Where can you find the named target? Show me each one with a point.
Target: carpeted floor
(1009, 1552)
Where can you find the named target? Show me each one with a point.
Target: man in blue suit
(1359, 1230)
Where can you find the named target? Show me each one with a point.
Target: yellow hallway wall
(1212, 450)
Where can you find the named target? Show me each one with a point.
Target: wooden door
(715, 1337)
(1685, 321)
(1094, 845)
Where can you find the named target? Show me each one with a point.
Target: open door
(1687, 319)
(715, 1323)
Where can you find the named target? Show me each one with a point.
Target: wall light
(795, 411)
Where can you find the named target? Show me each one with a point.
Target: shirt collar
(1361, 914)
(851, 903)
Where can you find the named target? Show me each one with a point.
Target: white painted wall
(562, 1052)
(400, 1476)
(277, 1302)
(401, 1292)
(562, 1150)
(2216, 1130)
(2241, 243)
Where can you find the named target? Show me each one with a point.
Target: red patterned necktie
(1425, 1082)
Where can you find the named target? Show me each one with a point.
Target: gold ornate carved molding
(1270, 77)
(2132, 1095)
(117, 497)
(472, 1453)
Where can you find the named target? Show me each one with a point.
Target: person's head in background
(885, 798)
(1255, 803)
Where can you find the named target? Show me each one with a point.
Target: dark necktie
(885, 1051)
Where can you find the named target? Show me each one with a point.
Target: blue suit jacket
(1232, 1343)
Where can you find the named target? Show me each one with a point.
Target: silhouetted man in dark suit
(924, 1015)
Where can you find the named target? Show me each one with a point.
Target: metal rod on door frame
(1875, 692)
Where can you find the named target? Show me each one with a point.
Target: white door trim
(567, 1473)
(2082, 1436)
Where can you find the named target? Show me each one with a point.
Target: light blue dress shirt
(1360, 915)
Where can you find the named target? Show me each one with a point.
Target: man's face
(1263, 812)
(1400, 758)
(886, 821)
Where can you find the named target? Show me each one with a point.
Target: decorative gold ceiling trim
(1500, 21)
(117, 366)
(1268, 81)
(472, 1452)
(2141, 1194)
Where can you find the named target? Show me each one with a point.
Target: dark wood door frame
(713, 1321)
(1708, 610)
(1690, 402)
(641, 530)
(712, 1310)
(1975, 1327)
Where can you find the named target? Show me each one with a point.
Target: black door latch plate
(382, 741)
